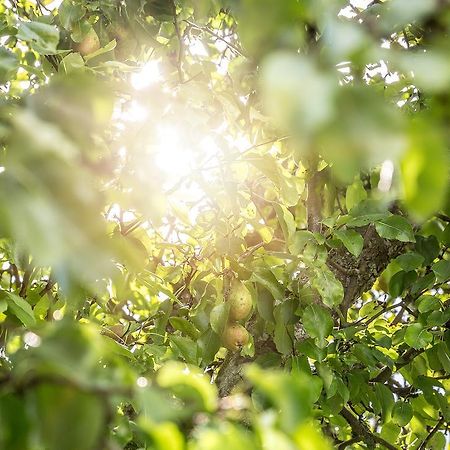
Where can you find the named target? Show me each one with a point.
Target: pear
(235, 337)
(240, 301)
(89, 44)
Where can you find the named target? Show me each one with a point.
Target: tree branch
(361, 432)
(424, 443)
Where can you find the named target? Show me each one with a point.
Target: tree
(224, 224)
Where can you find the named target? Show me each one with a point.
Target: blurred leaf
(9, 63)
(67, 418)
(226, 435)
(72, 62)
(297, 94)
(19, 307)
(308, 436)
(70, 13)
(162, 435)
(355, 194)
(188, 382)
(15, 423)
(425, 171)
(292, 396)
(42, 37)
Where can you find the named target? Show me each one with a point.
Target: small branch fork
(361, 432)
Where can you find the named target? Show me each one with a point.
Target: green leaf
(107, 48)
(267, 279)
(162, 435)
(72, 62)
(424, 170)
(160, 9)
(402, 413)
(218, 317)
(386, 399)
(69, 13)
(401, 281)
(285, 317)
(80, 30)
(286, 220)
(427, 303)
(299, 240)
(41, 307)
(409, 261)
(15, 423)
(186, 347)
(328, 286)
(19, 307)
(9, 63)
(68, 418)
(3, 305)
(366, 212)
(264, 304)
(283, 338)
(442, 271)
(364, 354)
(352, 240)
(317, 322)
(183, 325)
(42, 37)
(311, 350)
(355, 194)
(395, 227)
(417, 336)
(208, 345)
(292, 395)
(444, 356)
(428, 247)
(189, 382)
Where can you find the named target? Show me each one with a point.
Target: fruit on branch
(240, 301)
(89, 44)
(235, 337)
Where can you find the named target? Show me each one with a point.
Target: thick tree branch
(313, 203)
(358, 275)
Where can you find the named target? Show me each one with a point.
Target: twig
(220, 38)
(345, 444)
(361, 431)
(180, 42)
(431, 434)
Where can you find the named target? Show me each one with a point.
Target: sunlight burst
(172, 156)
(148, 75)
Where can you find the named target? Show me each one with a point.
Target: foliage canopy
(224, 224)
